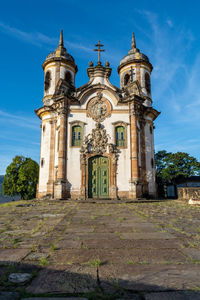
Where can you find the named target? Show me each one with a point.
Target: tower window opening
(42, 162)
(126, 79)
(152, 162)
(147, 83)
(47, 81)
(120, 136)
(76, 136)
(68, 77)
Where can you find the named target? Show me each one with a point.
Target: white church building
(97, 140)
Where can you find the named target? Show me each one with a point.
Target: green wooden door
(98, 177)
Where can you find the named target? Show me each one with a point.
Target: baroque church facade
(97, 140)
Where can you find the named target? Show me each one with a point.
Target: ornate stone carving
(97, 142)
(99, 108)
(63, 88)
(132, 88)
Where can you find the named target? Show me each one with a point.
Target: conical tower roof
(134, 55)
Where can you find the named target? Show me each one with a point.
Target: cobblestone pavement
(100, 250)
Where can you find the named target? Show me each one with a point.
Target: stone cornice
(43, 110)
(136, 61)
(60, 59)
(151, 112)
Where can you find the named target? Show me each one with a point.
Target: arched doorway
(98, 177)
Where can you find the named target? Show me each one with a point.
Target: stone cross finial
(99, 51)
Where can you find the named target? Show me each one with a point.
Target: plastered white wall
(45, 151)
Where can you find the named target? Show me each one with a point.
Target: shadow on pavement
(91, 282)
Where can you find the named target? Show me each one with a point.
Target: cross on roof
(99, 45)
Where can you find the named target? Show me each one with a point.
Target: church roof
(134, 55)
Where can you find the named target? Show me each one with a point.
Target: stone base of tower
(135, 190)
(60, 189)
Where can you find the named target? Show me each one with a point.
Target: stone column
(113, 175)
(83, 159)
(50, 183)
(143, 158)
(60, 188)
(133, 111)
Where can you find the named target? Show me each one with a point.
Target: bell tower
(59, 64)
(135, 66)
(59, 72)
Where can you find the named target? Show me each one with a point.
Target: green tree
(171, 168)
(21, 178)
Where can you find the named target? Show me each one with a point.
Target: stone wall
(187, 193)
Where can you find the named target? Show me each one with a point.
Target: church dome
(63, 54)
(60, 52)
(134, 55)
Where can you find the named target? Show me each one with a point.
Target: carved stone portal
(96, 143)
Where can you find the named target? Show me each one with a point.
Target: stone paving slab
(193, 253)
(133, 228)
(13, 255)
(149, 235)
(90, 235)
(84, 229)
(180, 295)
(118, 243)
(71, 280)
(68, 244)
(152, 277)
(112, 256)
(36, 256)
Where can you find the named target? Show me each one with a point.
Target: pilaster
(50, 183)
(135, 186)
(60, 184)
(143, 177)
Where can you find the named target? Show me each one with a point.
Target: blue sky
(166, 31)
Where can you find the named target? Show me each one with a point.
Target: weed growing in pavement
(43, 262)
(95, 262)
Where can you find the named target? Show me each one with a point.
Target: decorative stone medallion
(99, 108)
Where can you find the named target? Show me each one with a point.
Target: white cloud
(37, 38)
(170, 23)
(18, 120)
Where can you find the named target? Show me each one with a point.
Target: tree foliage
(174, 167)
(21, 178)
